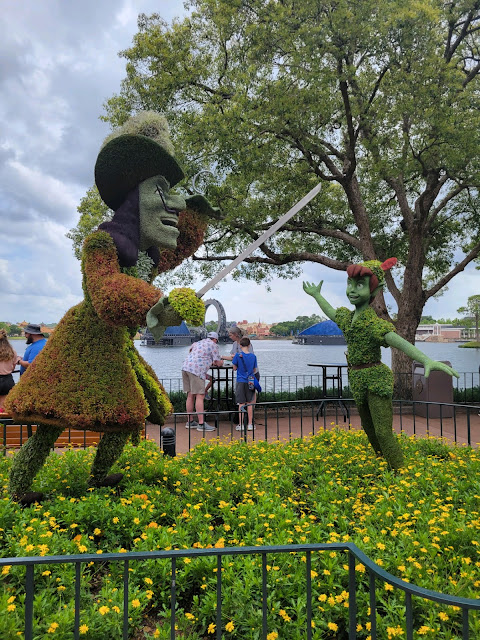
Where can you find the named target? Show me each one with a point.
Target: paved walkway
(462, 427)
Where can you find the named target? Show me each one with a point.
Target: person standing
(200, 358)
(36, 341)
(8, 361)
(245, 364)
(236, 334)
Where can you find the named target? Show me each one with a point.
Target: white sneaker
(205, 427)
(239, 427)
(250, 427)
(193, 424)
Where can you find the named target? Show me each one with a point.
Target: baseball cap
(212, 334)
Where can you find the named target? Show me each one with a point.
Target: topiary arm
(314, 291)
(394, 340)
(118, 299)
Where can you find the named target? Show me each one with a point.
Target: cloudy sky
(59, 64)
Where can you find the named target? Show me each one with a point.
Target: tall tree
(472, 309)
(379, 101)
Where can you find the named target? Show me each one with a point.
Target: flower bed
(421, 524)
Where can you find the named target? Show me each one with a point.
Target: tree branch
(279, 260)
(459, 268)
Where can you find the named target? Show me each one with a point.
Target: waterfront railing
(466, 388)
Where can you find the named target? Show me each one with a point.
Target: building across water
(326, 332)
(173, 337)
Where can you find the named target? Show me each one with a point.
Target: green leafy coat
(89, 375)
(364, 338)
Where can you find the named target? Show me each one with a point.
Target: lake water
(282, 358)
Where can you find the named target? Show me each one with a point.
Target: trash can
(438, 387)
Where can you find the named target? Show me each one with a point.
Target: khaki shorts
(193, 384)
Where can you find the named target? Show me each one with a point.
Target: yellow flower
(272, 636)
(135, 603)
(332, 626)
(443, 616)
(229, 626)
(211, 628)
(6, 569)
(53, 627)
(103, 610)
(189, 616)
(148, 580)
(83, 629)
(11, 607)
(96, 532)
(115, 520)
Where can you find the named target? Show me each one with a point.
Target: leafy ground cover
(421, 524)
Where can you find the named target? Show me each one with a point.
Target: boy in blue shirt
(245, 364)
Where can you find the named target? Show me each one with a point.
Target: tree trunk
(410, 307)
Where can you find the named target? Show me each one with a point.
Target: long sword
(251, 248)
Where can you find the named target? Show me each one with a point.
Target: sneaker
(205, 427)
(193, 424)
(208, 396)
(239, 427)
(250, 427)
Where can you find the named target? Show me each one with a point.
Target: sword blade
(251, 248)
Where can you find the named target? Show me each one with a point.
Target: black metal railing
(299, 418)
(355, 555)
(466, 388)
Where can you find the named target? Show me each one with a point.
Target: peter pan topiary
(89, 375)
(371, 381)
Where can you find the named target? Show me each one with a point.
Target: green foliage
(420, 524)
(381, 104)
(14, 330)
(187, 305)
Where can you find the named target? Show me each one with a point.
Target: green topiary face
(358, 291)
(159, 211)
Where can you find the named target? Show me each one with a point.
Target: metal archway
(222, 318)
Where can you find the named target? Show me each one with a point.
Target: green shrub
(420, 524)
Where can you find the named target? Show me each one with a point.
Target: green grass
(421, 524)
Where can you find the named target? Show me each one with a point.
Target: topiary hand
(435, 365)
(161, 316)
(313, 289)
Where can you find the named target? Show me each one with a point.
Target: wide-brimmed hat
(137, 151)
(33, 329)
